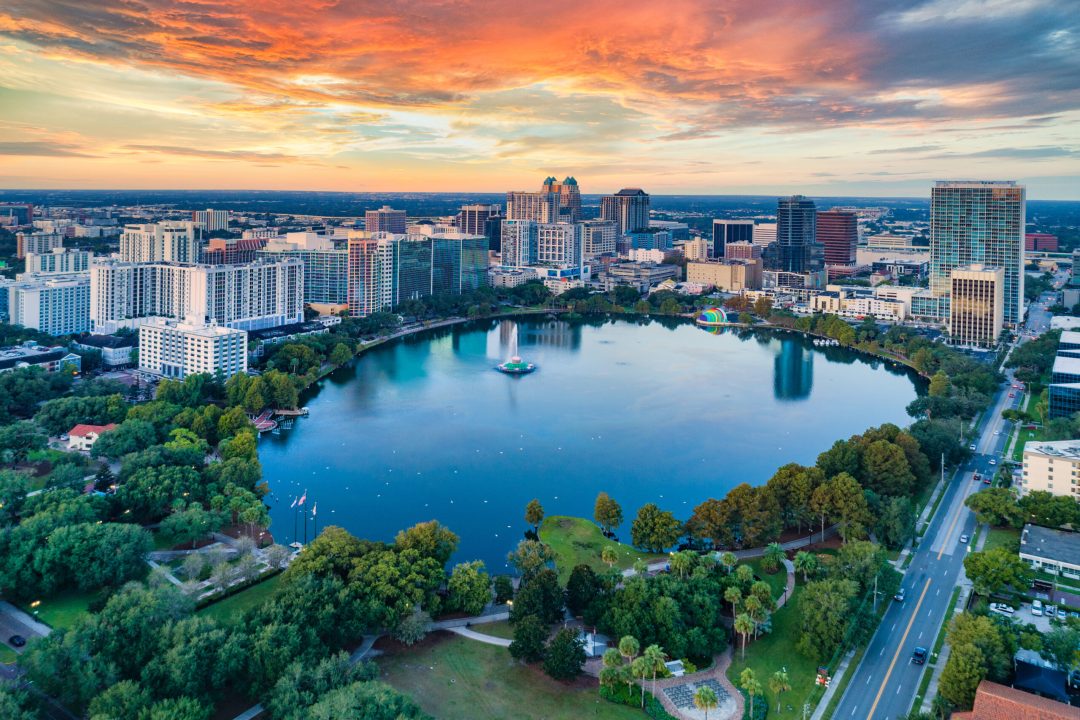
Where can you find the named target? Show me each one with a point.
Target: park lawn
(232, 608)
(61, 611)
(454, 678)
(578, 541)
(499, 628)
(777, 580)
(776, 651)
(7, 655)
(1007, 538)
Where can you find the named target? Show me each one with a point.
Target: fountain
(515, 365)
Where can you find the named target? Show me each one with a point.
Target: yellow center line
(899, 649)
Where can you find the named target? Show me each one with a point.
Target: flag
(302, 498)
(294, 502)
(314, 507)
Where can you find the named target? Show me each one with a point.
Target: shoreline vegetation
(188, 460)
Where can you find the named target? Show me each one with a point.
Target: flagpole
(294, 520)
(315, 520)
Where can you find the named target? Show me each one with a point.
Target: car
(971, 448)
(919, 656)
(986, 480)
(16, 641)
(1012, 395)
(1051, 611)
(1037, 608)
(997, 432)
(900, 595)
(993, 461)
(1002, 608)
(963, 538)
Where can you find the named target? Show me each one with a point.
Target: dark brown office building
(838, 233)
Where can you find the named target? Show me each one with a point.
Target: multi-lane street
(886, 681)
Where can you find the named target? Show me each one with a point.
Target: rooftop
(109, 341)
(1056, 545)
(1066, 365)
(998, 702)
(82, 430)
(286, 330)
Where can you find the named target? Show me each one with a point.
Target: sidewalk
(823, 703)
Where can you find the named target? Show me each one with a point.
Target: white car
(997, 432)
(1037, 608)
(993, 461)
(1002, 608)
(963, 538)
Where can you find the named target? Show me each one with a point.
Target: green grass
(777, 581)
(1007, 538)
(454, 678)
(61, 611)
(577, 541)
(775, 651)
(7, 655)
(232, 608)
(499, 628)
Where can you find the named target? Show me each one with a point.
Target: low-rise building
(1052, 467)
(726, 275)
(30, 354)
(82, 437)
(284, 333)
(506, 277)
(115, 349)
(1053, 551)
(640, 276)
(175, 349)
(999, 702)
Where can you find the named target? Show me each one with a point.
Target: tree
(540, 595)
(728, 560)
(654, 529)
(744, 625)
(530, 557)
(341, 354)
(896, 522)
(565, 655)
(504, 589)
(705, 699)
(607, 513)
(1062, 645)
(469, 587)
(748, 681)
(733, 595)
(773, 557)
(778, 685)
(608, 556)
(964, 670)
(996, 506)
(939, 384)
(806, 563)
(413, 627)
(125, 699)
(641, 668)
(181, 708)
(581, 589)
(682, 562)
(613, 670)
(534, 514)
(825, 608)
(886, 469)
(848, 503)
(992, 570)
(655, 658)
(629, 648)
(529, 636)
(431, 539)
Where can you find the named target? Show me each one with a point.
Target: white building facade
(176, 350)
(57, 305)
(170, 241)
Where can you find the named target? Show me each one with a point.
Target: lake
(658, 411)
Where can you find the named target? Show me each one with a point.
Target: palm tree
(806, 563)
(656, 657)
(753, 607)
(749, 682)
(734, 596)
(779, 685)
(640, 669)
(680, 562)
(629, 648)
(705, 699)
(613, 669)
(608, 556)
(773, 557)
(744, 625)
(744, 574)
(728, 560)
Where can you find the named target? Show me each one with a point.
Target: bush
(761, 706)
(621, 695)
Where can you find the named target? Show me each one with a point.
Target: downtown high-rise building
(796, 225)
(518, 244)
(838, 233)
(253, 296)
(628, 209)
(169, 241)
(568, 198)
(473, 219)
(211, 220)
(38, 243)
(385, 219)
(53, 304)
(725, 232)
(60, 261)
(598, 238)
(326, 267)
(979, 222)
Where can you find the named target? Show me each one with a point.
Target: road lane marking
(899, 649)
(948, 533)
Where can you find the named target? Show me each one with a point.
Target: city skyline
(860, 98)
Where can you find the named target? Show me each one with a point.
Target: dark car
(17, 640)
(919, 656)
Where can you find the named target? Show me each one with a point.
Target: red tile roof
(998, 702)
(81, 430)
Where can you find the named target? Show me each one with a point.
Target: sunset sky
(872, 97)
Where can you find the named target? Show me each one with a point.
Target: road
(886, 681)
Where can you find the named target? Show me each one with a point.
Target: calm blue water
(668, 413)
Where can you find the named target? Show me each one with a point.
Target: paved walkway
(481, 637)
(730, 709)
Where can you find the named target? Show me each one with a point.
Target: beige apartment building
(726, 275)
(977, 308)
(1052, 467)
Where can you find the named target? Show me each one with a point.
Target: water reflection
(793, 370)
